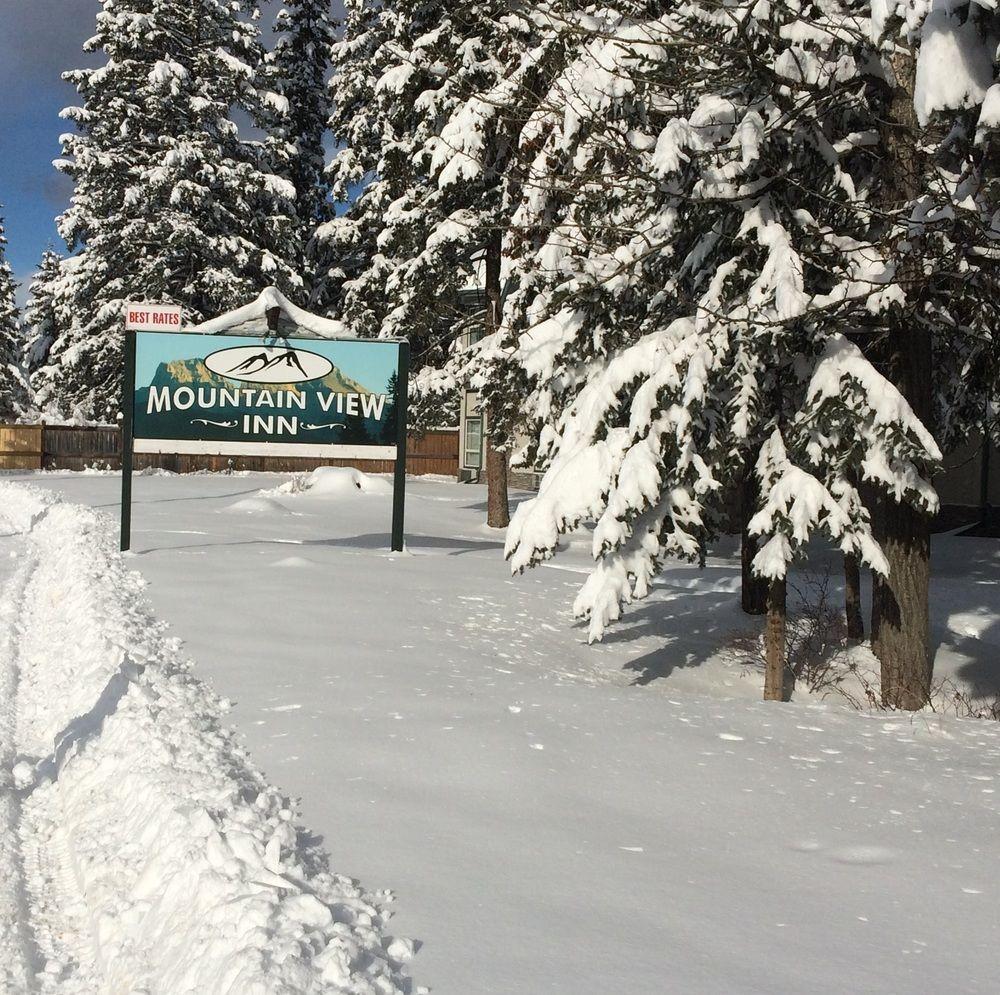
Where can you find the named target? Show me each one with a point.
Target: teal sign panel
(232, 395)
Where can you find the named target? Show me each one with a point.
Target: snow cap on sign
(252, 319)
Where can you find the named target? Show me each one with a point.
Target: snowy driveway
(558, 818)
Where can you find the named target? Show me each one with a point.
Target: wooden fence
(60, 447)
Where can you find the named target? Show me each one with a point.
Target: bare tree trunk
(900, 626)
(900, 630)
(778, 680)
(852, 598)
(753, 589)
(497, 500)
(497, 503)
(985, 512)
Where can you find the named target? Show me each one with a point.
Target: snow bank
(21, 507)
(258, 504)
(192, 876)
(333, 481)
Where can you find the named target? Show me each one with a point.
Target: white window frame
(466, 450)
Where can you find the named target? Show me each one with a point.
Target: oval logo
(268, 364)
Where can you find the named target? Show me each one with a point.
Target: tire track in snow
(54, 953)
(17, 950)
(56, 907)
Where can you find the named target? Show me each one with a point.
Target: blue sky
(369, 363)
(40, 40)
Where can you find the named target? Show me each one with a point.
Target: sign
(223, 395)
(227, 395)
(152, 317)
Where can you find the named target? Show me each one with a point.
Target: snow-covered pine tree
(387, 71)
(362, 127)
(13, 396)
(505, 63)
(41, 321)
(306, 33)
(728, 256)
(938, 340)
(433, 93)
(170, 202)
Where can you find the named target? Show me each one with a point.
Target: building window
(472, 302)
(474, 335)
(474, 443)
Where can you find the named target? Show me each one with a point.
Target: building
(473, 424)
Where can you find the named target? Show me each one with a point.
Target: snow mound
(334, 481)
(259, 504)
(192, 875)
(155, 471)
(293, 561)
(21, 506)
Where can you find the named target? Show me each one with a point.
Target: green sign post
(189, 393)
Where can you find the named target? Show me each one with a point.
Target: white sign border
(196, 447)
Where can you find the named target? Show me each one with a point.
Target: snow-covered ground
(150, 855)
(551, 817)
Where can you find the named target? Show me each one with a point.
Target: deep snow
(150, 855)
(554, 817)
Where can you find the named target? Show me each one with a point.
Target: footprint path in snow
(16, 947)
(55, 954)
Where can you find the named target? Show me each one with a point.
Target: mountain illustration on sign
(317, 419)
(261, 362)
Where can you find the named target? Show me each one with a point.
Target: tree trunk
(497, 501)
(753, 589)
(852, 598)
(778, 680)
(900, 630)
(985, 512)
(900, 626)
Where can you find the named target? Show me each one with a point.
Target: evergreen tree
(381, 68)
(41, 322)
(475, 164)
(388, 434)
(432, 95)
(170, 202)
(355, 430)
(306, 35)
(13, 396)
(751, 240)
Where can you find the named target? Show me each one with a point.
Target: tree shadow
(189, 497)
(965, 580)
(368, 542)
(83, 728)
(982, 675)
(382, 540)
(515, 501)
(690, 627)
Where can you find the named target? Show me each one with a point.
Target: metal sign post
(128, 425)
(139, 317)
(399, 478)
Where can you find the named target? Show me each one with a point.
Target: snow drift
(189, 872)
(331, 482)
